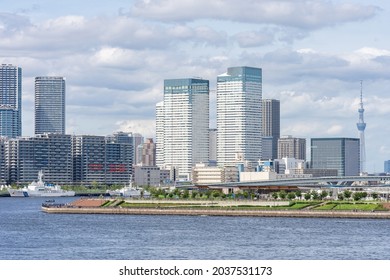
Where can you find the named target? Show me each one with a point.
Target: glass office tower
(10, 101)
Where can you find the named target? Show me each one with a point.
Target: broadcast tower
(361, 126)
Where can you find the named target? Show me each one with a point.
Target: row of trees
(315, 195)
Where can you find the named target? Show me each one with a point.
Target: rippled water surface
(28, 233)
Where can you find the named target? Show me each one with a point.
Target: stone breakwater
(66, 209)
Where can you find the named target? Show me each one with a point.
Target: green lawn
(351, 206)
(328, 206)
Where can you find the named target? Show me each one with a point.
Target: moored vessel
(40, 189)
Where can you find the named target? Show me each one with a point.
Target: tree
(298, 194)
(324, 194)
(194, 194)
(215, 194)
(357, 196)
(282, 194)
(307, 196)
(347, 194)
(291, 195)
(186, 194)
(315, 195)
(340, 196)
(374, 196)
(275, 195)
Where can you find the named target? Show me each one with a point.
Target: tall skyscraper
(183, 125)
(341, 154)
(10, 101)
(160, 134)
(361, 126)
(271, 123)
(49, 105)
(239, 106)
(292, 147)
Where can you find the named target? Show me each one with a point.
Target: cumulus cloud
(297, 13)
(254, 38)
(145, 127)
(115, 64)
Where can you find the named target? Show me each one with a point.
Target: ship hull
(30, 193)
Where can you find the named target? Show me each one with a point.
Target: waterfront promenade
(205, 208)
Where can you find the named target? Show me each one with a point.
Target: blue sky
(115, 55)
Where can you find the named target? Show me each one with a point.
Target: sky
(116, 54)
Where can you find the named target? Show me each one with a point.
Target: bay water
(27, 233)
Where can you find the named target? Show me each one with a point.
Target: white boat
(40, 188)
(130, 191)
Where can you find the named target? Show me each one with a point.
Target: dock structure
(95, 207)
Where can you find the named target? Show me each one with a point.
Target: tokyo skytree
(361, 126)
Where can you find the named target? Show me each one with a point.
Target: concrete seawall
(218, 212)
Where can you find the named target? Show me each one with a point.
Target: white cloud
(115, 65)
(145, 127)
(298, 13)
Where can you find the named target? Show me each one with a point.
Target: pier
(91, 206)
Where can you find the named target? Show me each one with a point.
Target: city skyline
(120, 53)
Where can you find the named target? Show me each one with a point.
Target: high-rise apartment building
(239, 106)
(51, 153)
(271, 123)
(342, 154)
(10, 101)
(89, 158)
(183, 125)
(291, 147)
(49, 105)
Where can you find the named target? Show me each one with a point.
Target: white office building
(239, 116)
(183, 125)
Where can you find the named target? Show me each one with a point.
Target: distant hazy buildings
(267, 144)
(49, 105)
(138, 141)
(271, 124)
(387, 166)
(149, 153)
(342, 154)
(10, 100)
(160, 134)
(212, 146)
(239, 95)
(291, 147)
(183, 125)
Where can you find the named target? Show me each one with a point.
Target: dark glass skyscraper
(10, 101)
(341, 154)
(271, 124)
(49, 105)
